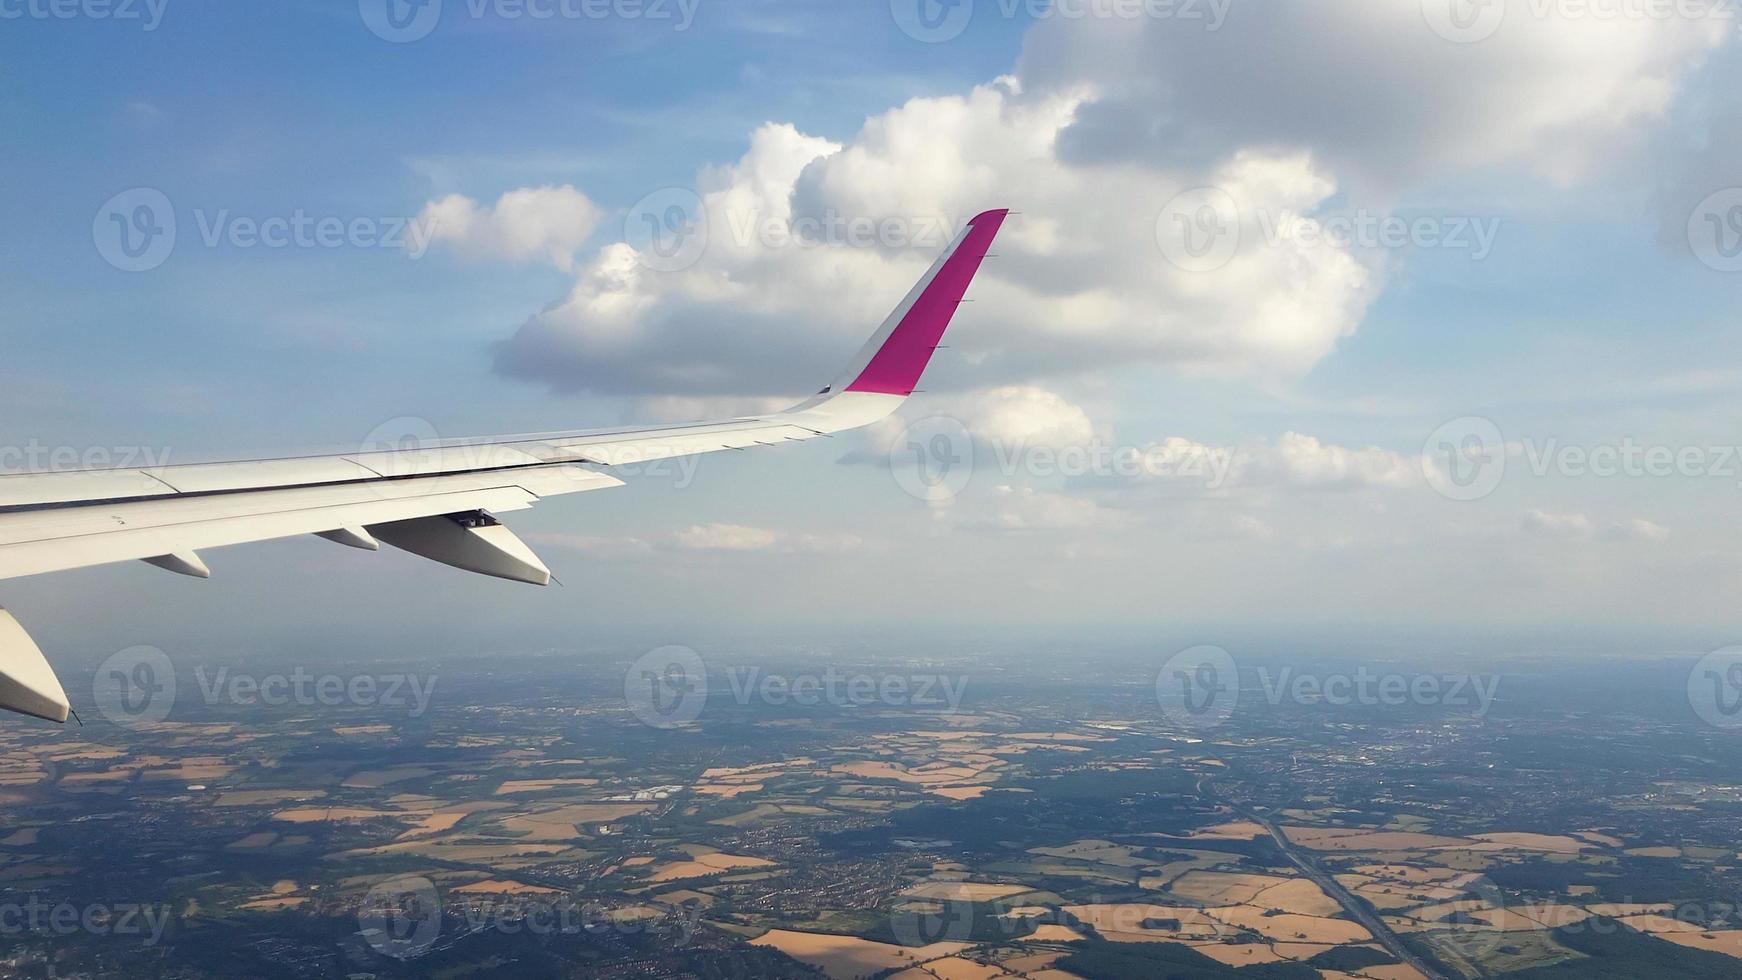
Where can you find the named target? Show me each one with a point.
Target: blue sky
(1589, 147)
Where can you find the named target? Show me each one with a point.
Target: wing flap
(145, 529)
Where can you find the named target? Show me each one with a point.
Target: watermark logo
(1715, 230)
(932, 21)
(37, 917)
(1366, 688)
(1199, 229)
(932, 459)
(307, 689)
(135, 687)
(918, 924)
(403, 446)
(1465, 459)
(1464, 21)
(134, 231)
(400, 21)
(841, 689)
(401, 917)
(1198, 687)
(147, 13)
(668, 229)
(1715, 688)
(667, 687)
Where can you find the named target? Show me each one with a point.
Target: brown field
(541, 785)
(1535, 842)
(1729, 943)
(363, 729)
(1654, 852)
(494, 886)
(444, 820)
(706, 865)
(377, 778)
(265, 838)
(1293, 928)
(958, 968)
(1221, 888)
(1240, 954)
(277, 904)
(848, 957)
(1344, 839)
(561, 823)
(1238, 830)
(1299, 896)
(963, 891)
(1125, 923)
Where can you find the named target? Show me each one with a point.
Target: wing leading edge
(438, 501)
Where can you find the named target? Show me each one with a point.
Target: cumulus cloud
(1079, 280)
(1371, 89)
(544, 224)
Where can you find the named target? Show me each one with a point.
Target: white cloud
(739, 538)
(545, 224)
(1370, 88)
(1580, 527)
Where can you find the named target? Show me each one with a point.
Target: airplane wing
(438, 501)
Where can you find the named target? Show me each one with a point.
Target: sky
(1314, 319)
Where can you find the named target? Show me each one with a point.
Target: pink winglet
(897, 365)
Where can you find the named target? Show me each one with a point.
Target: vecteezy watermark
(932, 459)
(148, 14)
(936, 21)
(1198, 688)
(404, 917)
(1467, 458)
(1715, 688)
(668, 229)
(919, 924)
(1474, 21)
(845, 689)
(401, 917)
(36, 457)
(404, 21)
(137, 231)
(832, 228)
(1464, 459)
(935, 459)
(1203, 229)
(308, 689)
(411, 446)
(1715, 230)
(667, 687)
(34, 916)
(137, 687)
(1366, 688)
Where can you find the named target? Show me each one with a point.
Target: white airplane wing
(438, 501)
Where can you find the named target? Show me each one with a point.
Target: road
(1357, 911)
